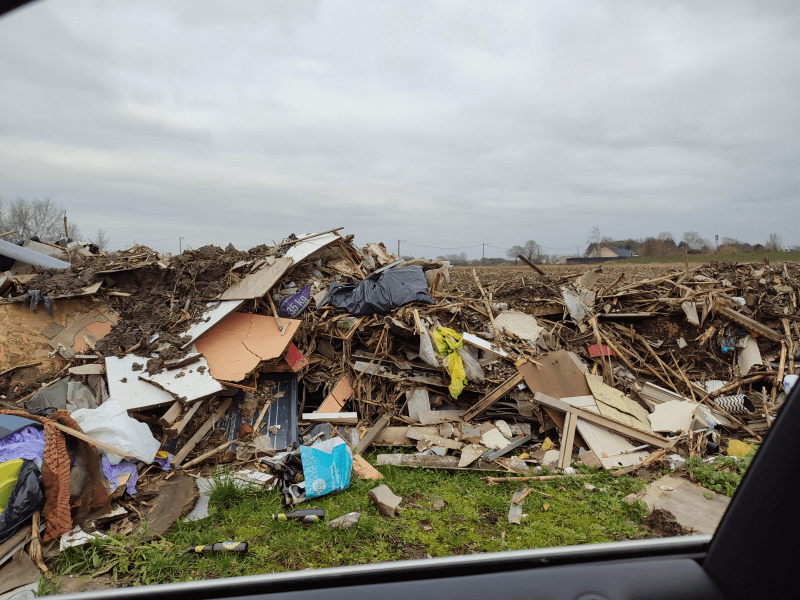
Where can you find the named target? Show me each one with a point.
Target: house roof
(623, 252)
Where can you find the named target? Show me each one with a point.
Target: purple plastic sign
(294, 305)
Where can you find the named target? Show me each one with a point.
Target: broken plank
(178, 427)
(372, 433)
(82, 436)
(386, 373)
(364, 469)
(567, 438)
(172, 414)
(437, 440)
(348, 418)
(493, 397)
(93, 369)
(474, 340)
(202, 432)
(451, 463)
(338, 396)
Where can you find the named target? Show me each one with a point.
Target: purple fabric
(294, 305)
(112, 473)
(27, 443)
(163, 461)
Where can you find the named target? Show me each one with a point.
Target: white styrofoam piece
(306, 248)
(133, 394)
(215, 313)
(191, 385)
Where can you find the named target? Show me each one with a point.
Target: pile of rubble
(128, 367)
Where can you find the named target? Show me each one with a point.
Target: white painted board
(306, 248)
(133, 393)
(187, 383)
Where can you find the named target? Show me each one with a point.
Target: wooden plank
(436, 440)
(255, 285)
(474, 340)
(567, 437)
(493, 397)
(82, 436)
(451, 463)
(173, 412)
(372, 433)
(201, 433)
(94, 369)
(348, 418)
(386, 373)
(621, 428)
(749, 323)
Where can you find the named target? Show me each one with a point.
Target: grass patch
(722, 475)
(473, 520)
(774, 257)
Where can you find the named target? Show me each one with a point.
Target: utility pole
(398, 248)
(538, 255)
(180, 245)
(483, 258)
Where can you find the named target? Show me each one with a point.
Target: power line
(440, 247)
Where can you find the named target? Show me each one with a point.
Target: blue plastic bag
(326, 467)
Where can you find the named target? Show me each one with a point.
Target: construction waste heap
(121, 373)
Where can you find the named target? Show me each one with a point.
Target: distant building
(616, 253)
(562, 260)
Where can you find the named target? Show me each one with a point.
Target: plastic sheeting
(110, 423)
(27, 443)
(26, 499)
(380, 292)
(448, 344)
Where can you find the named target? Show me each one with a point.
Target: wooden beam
(616, 426)
(493, 397)
(201, 433)
(82, 436)
(172, 414)
(567, 438)
(749, 323)
(176, 429)
(348, 418)
(372, 433)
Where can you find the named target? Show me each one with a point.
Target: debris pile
(289, 361)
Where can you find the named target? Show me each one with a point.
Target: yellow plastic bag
(448, 342)
(737, 448)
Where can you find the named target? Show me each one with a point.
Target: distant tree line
(42, 219)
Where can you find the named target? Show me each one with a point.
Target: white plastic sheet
(110, 423)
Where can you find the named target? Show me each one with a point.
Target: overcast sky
(445, 124)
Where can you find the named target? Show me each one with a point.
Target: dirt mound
(662, 523)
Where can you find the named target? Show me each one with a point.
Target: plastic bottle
(221, 547)
(312, 515)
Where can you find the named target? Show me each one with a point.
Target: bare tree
(774, 242)
(100, 240)
(529, 250)
(29, 218)
(694, 240)
(665, 236)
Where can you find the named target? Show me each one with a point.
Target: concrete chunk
(385, 500)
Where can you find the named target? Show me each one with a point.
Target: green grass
(723, 475)
(474, 519)
(774, 257)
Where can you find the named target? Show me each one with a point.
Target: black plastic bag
(26, 499)
(380, 292)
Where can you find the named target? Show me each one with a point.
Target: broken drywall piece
(236, 346)
(186, 384)
(494, 439)
(588, 279)
(749, 356)
(486, 346)
(690, 309)
(676, 416)
(523, 326)
(470, 454)
(504, 429)
(418, 401)
(126, 388)
(434, 417)
(616, 405)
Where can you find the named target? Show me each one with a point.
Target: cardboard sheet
(616, 405)
(83, 333)
(236, 346)
(338, 396)
(216, 312)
